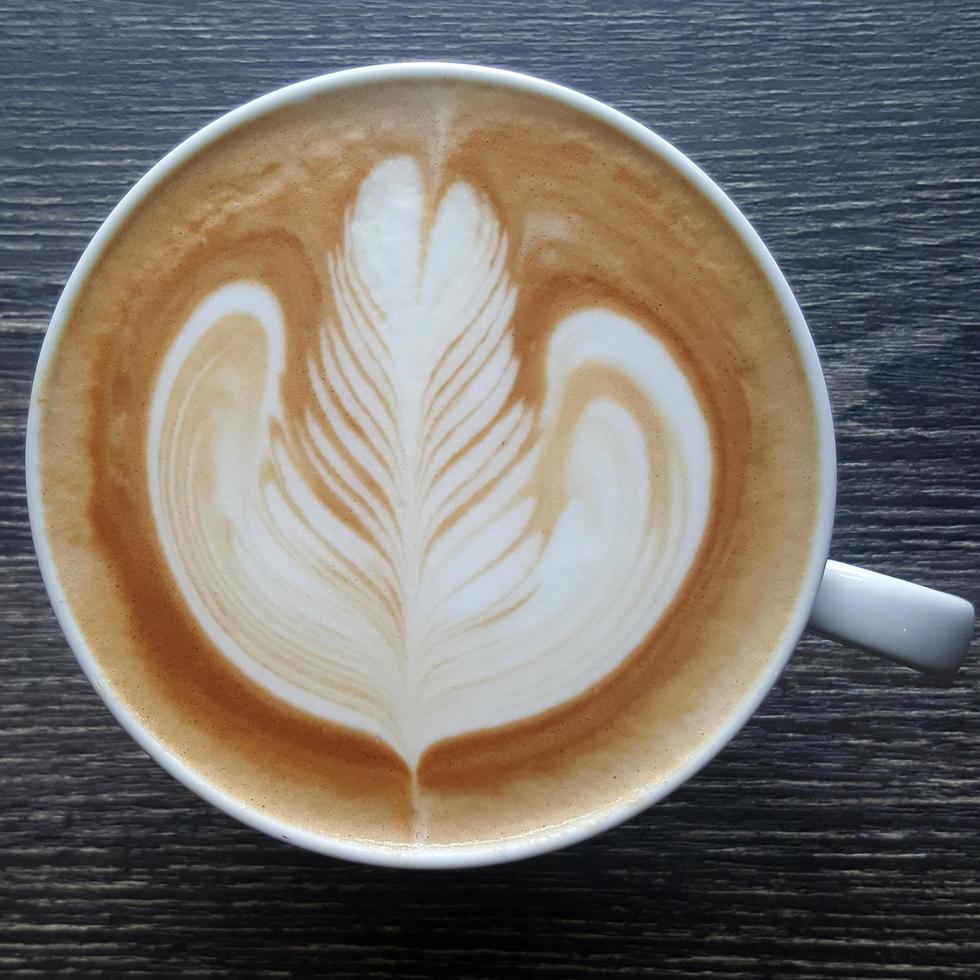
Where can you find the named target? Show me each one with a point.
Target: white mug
(908, 623)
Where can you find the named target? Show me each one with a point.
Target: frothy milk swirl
(421, 551)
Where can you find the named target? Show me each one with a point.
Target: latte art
(411, 549)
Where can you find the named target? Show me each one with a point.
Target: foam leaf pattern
(408, 547)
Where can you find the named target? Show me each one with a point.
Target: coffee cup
(430, 466)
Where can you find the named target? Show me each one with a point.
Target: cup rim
(427, 855)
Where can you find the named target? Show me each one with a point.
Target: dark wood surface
(837, 836)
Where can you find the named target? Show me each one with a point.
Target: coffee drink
(428, 462)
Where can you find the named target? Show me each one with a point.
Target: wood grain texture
(837, 836)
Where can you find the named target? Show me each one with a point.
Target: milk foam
(421, 551)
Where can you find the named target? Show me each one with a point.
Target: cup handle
(910, 624)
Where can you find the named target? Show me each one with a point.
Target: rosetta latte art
(411, 547)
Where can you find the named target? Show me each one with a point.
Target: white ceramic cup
(908, 623)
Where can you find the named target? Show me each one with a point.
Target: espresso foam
(435, 445)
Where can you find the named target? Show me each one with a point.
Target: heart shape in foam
(411, 547)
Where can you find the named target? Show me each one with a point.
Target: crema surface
(429, 462)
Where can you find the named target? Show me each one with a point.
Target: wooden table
(837, 836)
